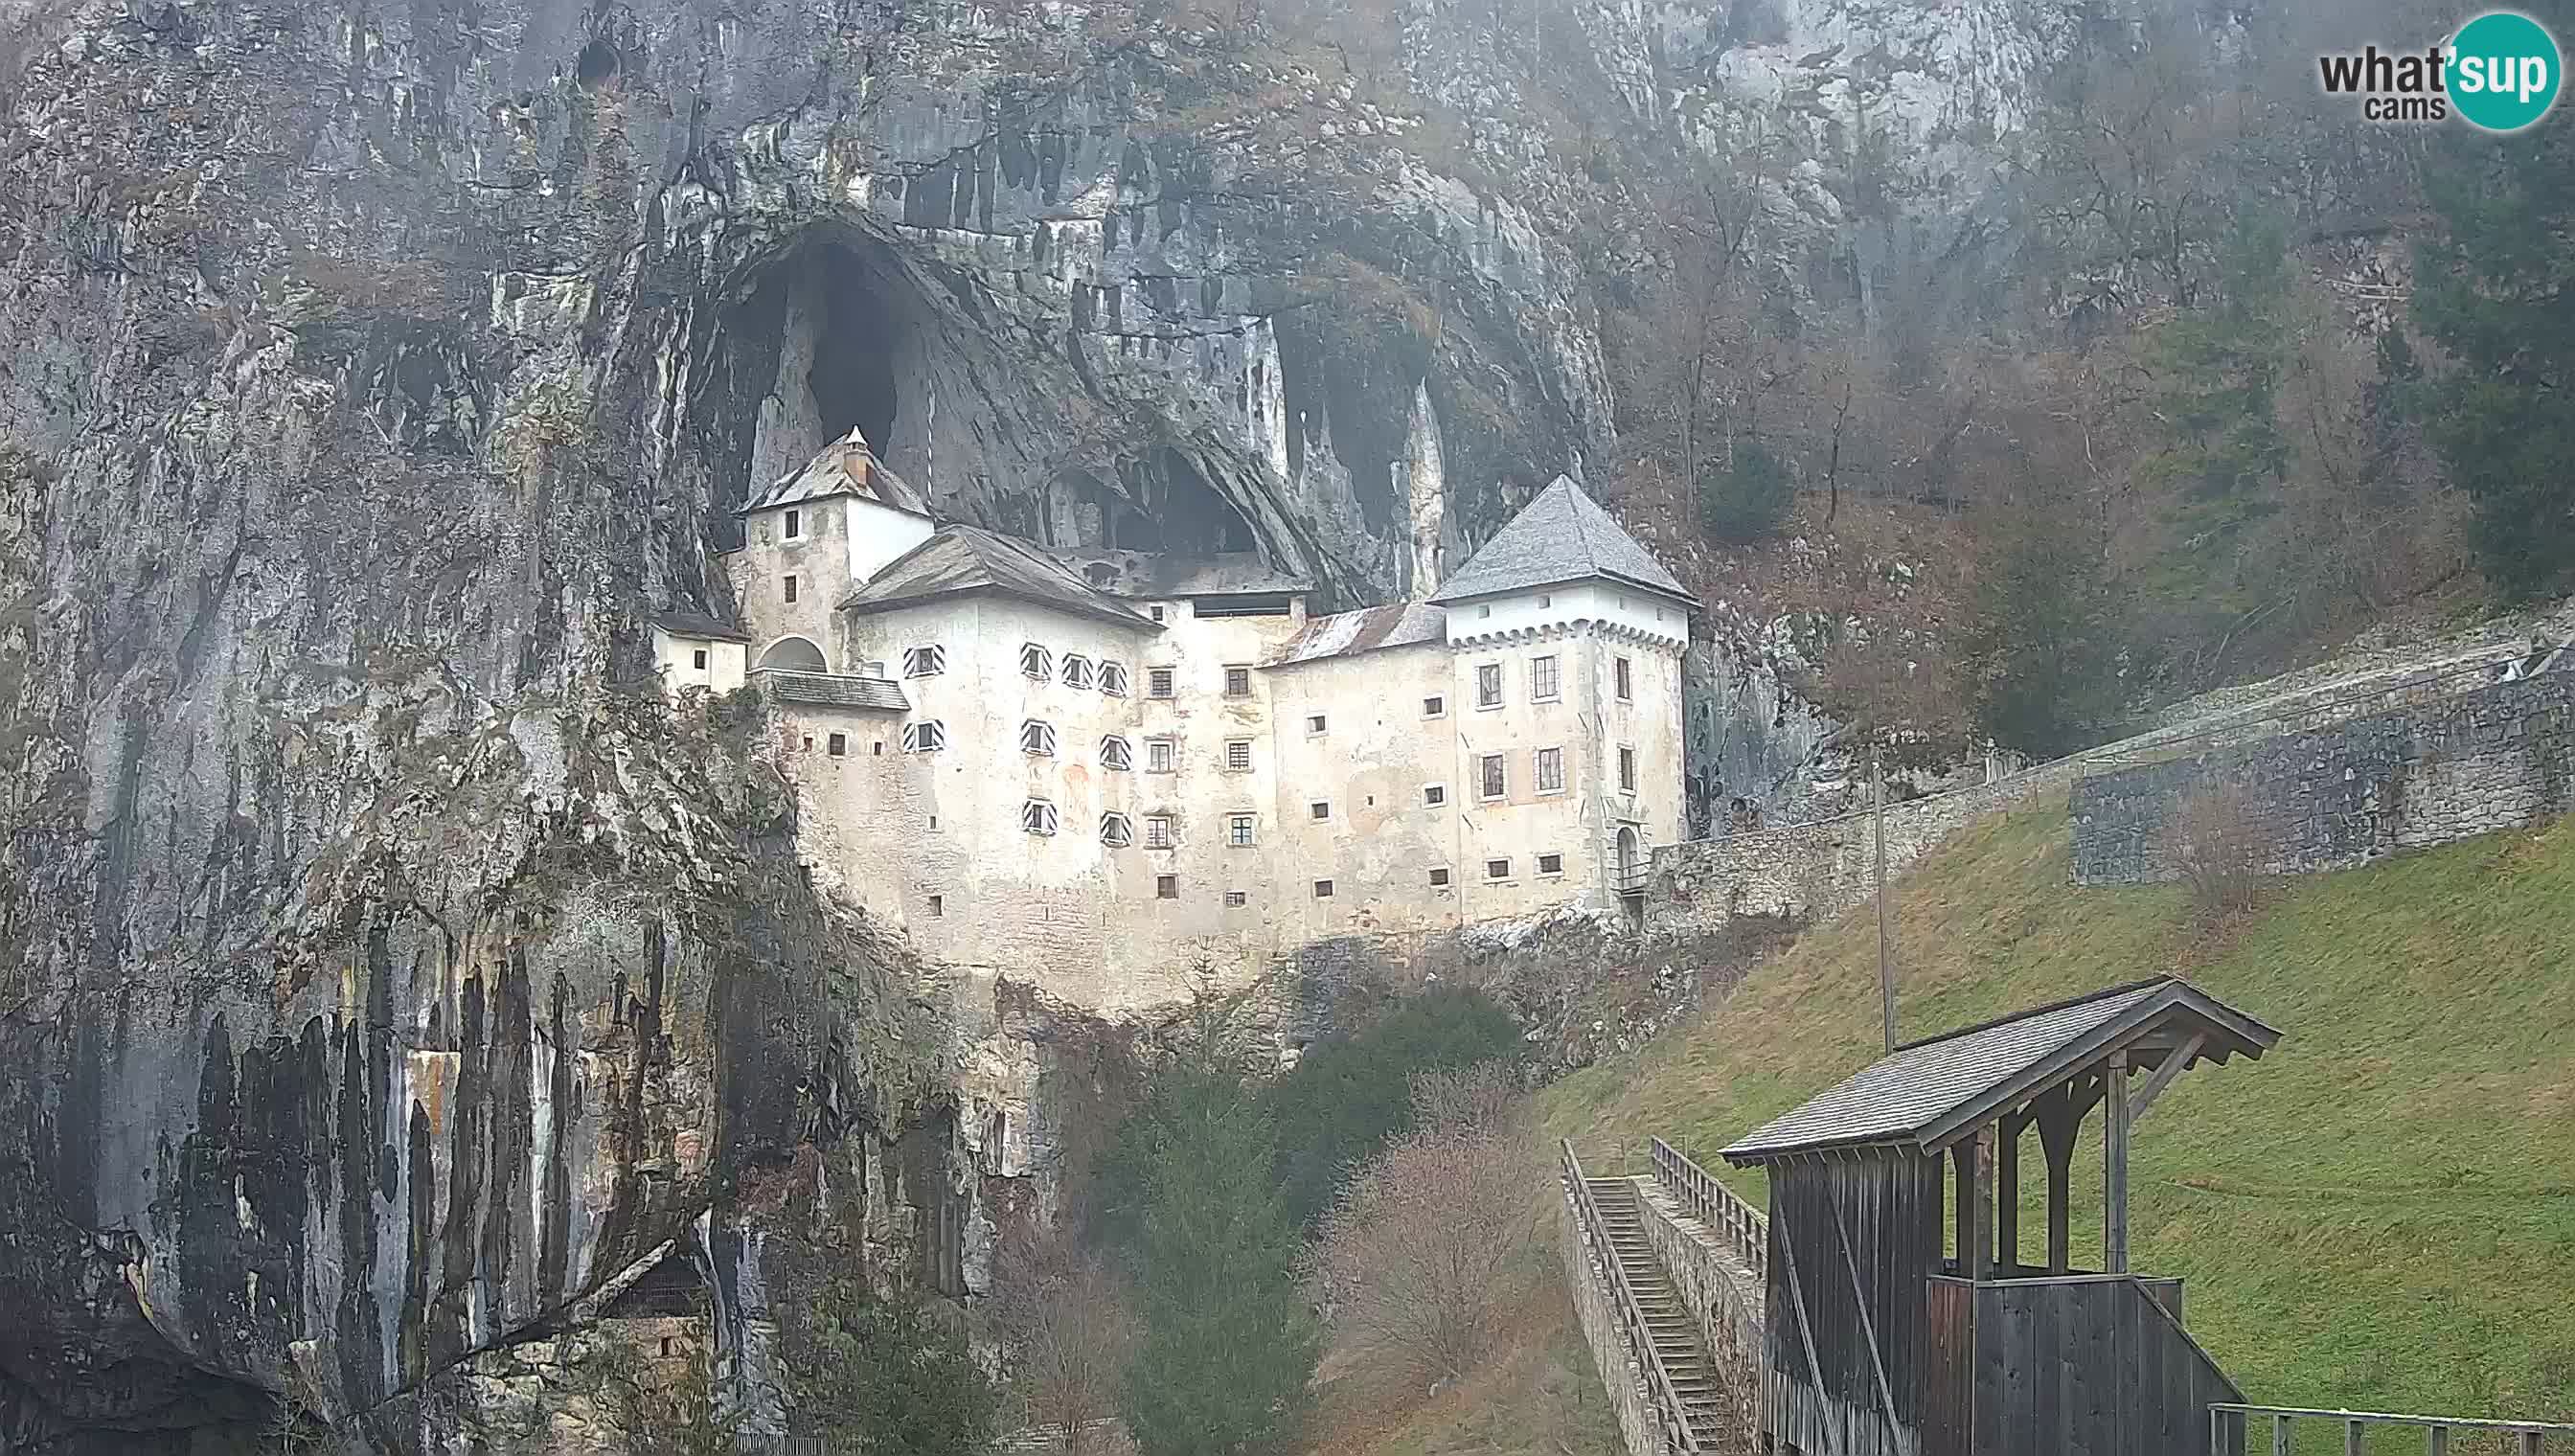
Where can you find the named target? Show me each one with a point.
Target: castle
(1103, 770)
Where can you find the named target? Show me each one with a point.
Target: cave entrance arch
(840, 338)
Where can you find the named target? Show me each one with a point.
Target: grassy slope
(2379, 1214)
(1537, 1394)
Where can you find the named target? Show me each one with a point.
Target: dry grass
(1536, 1393)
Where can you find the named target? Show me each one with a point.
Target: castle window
(926, 736)
(1435, 794)
(1435, 708)
(1626, 683)
(1550, 770)
(1158, 681)
(1545, 601)
(1321, 809)
(1489, 685)
(1628, 770)
(872, 668)
(1038, 817)
(795, 525)
(1238, 682)
(1161, 755)
(840, 746)
(1322, 889)
(1238, 832)
(1236, 899)
(1035, 662)
(880, 748)
(1157, 832)
(1076, 670)
(1115, 832)
(1314, 722)
(1037, 736)
(925, 662)
(1115, 753)
(1551, 865)
(1113, 679)
(1484, 611)
(1542, 685)
(1439, 878)
(1167, 886)
(1238, 755)
(938, 907)
(790, 588)
(1498, 869)
(1493, 783)
(1158, 612)
(697, 660)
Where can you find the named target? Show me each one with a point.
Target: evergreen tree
(889, 1374)
(1746, 500)
(1229, 1345)
(2043, 652)
(2497, 291)
(2217, 378)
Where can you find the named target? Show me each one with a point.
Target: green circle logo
(2503, 71)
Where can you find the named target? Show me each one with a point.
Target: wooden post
(2007, 1193)
(2060, 1118)
(1885, 957)
(2115, 1173)
(1971, 1233)
(1986, 1223)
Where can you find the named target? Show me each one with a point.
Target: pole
(1885, 959)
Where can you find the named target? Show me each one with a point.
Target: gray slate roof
(698, 624)
(1919, 1095)
(1562, 535)
(960, 561)
(1347, 634)
(834, 690)
(846, 467)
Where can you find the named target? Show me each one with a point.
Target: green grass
(2379, 1214)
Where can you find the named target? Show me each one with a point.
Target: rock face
(383, 973)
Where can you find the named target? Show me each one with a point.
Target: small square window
(1498, 869)
(1113, 679)
(1321, 809)
(1157, 832)
(1322, 889)
(1489, 685)
(1167, 886)
(1158, 681)
(1625, 681)
(1543, 681)
(1236, 899)
(1238, 682)
(1036, 662)
(809, 742)
(938, 907)
(927, 736)
(794, 524)
(1115, 831)
(697, 660)
(1158, 613)
(1435, 708)
(1238, 755)
(1551, 865)
(925, 662)
(840, 744)
(1545, 601)
(933, 822)
(1038, 817)
(880, 748)
(1238, 830)
(1435, 794)
(1161, 756)
(790, 588)
(1315, 723)
(1439, 877)
(1484, 611)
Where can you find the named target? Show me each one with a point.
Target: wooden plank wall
(1865, 1234)
(2086, 1367)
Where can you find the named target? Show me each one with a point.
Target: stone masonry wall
(1808, 871)
(1717, 1291)
(2425, 773)
(1596, 1309)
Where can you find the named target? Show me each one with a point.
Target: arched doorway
(1632, 872)
(794, 655)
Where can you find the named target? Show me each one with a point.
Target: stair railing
(1744, 1227)
(2230, 1427)
(1666, 1396)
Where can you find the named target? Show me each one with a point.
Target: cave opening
(852, 379)
(839, 340)
(1181, 513)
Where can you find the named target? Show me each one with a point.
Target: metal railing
(1666, 1396)
(1745, 1230)
(2230, 1426)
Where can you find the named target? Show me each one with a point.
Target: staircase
(1694, 1378)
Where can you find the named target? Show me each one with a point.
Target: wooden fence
(1744, 1227)
(2230, 1425)
(1670, 1412)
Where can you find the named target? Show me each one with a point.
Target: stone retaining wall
(1596, 1305)
(2493, 757)
(1717, 1292)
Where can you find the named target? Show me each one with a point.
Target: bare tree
(2220, 849)
(1433, 1233)
(1067, 1336)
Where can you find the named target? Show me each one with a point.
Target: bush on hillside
(1746, 500)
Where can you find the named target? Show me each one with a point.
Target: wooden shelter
(1900, 1327)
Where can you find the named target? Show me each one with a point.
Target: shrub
(1747, 499)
